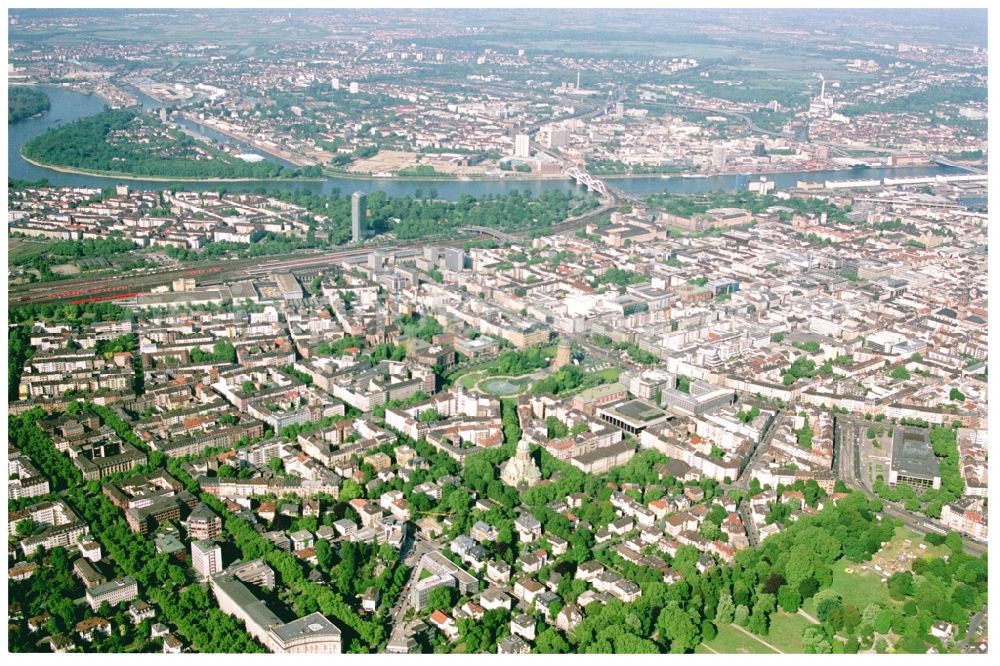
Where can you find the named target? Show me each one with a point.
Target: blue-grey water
(68, 105)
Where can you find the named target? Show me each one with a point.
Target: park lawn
(864, 587)
(785, 631)
(732, 641)
(859, 588)
(609, 375)
(895, 547)
(469, 380)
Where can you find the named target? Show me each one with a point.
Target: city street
(418, 547)
(849, 442)
(743, 482)
(974, 624)
(752, 534)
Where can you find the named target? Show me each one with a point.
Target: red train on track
(81, 292)
(109, 297)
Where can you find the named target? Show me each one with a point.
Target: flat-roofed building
(443, 573)
(312, 634)
(289, 287)
(711, 219)
(913, 462)
(114, 592)
(87, 573)
(64, 527)
(602, 459)
(148, 499)
(255, 572)
(25, 479)
(95, 460)
(212, 296)
(359, 209)
(702, 397)
(206, 558)
(481, 348)
(632, 416)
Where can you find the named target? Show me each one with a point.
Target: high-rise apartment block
(359, 204)
(522, 146)
(206, 557)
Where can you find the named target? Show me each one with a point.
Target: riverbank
(26, 118)
(347, 175)
(25, 103)
(101, 93)
(351, 175)
(292, 158)
(157, 179)
(533, 177)
(68, 105)
(726, 174)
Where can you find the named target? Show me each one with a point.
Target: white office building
(206, 557)
(522, 145)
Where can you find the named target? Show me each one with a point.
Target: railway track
(109, 288)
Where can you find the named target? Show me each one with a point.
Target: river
(68, 105)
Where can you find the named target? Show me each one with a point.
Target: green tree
(24, 102)
(350, 489)
(440, 598)
(814, 642)
(708, 631)
(555, 427)
(678, 628)
(683, 383)
(429, 416)
(725, 611)
(900, 585)
(324, 554)
(789, 599)
(758, 622)
(28, 527)
(899, 373)
(830, 611)
(883, 621)
(551, 642)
